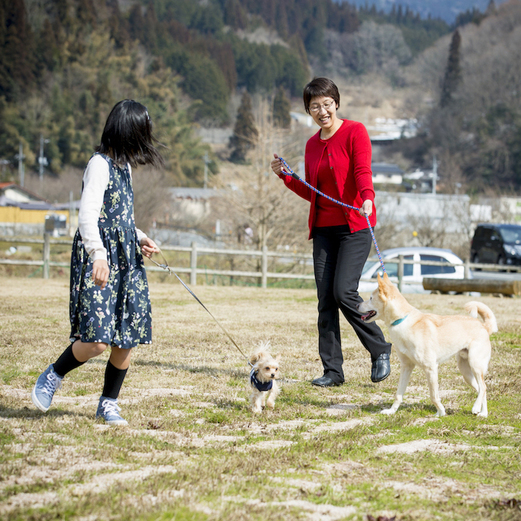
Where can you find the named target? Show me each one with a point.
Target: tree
(234, 15)
(16, 58)
(253, 194)
(281, 109)
(245, 132)
(452, 72)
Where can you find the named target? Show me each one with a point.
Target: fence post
(400, 272)
(46, 254)
(193, 264)
(264, 267)
(467, 268)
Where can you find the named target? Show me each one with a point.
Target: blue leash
(289, 172)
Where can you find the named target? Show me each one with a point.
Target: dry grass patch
(194, 451)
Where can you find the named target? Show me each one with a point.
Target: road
(496, 275)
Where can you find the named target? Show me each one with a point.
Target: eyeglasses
(317, 108)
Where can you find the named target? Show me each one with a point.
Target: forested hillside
(474, 124)
(64, 63)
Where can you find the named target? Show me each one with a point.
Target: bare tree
(151, 199)
(252, 194)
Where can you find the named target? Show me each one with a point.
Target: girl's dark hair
(127, 136)
(318, 88)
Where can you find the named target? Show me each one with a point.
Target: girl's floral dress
(119, 314)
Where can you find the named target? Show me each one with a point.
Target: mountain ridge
(447, 10)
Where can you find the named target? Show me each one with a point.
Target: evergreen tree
(281, 109)
(150, 29)
(452, 72)
(16, 58)
(86, 13)
(48, 51)
(136, 22)
(245, 132)
(117, 25)
(234, 15)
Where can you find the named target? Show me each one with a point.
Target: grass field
(194, 451)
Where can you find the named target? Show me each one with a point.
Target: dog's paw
(387, 411)
(439, 414)
(256, 410)
(270, 405)
(482, 414)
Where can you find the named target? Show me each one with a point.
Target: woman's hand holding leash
(366, 208)
(276, 166)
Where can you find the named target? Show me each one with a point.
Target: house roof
(386, 169)
(192, 193)
(31, 196)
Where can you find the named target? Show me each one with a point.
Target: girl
(109, 302)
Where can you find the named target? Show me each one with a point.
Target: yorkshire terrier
(265, 370)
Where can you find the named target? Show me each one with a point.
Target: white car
(413, 274)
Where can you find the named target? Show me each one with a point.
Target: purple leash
(288, 172)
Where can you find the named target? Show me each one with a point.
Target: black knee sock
(113, 381)
(66, 362)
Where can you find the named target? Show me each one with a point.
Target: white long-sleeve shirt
(95, 181)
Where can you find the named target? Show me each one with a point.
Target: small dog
(427, 340)
(265, 370)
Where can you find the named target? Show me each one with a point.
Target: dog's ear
(254, 358)
(383, 286)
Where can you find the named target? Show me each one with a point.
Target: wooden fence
(195, 252)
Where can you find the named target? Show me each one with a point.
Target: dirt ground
(194, 450)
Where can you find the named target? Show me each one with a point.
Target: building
(386, 174)
(24, 213)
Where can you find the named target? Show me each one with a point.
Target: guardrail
(196, 251)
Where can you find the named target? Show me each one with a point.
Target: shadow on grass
(34, 414)
(204, 369)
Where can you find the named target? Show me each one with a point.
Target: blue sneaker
(108, 410)
(45, 387)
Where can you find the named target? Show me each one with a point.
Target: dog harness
(399, 321)
(260, 386)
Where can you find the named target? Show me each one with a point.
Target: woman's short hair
(318, 88)
(127, 136)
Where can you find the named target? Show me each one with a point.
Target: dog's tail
(478, 308)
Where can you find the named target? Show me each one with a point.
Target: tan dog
(427, 340)
(265, 370)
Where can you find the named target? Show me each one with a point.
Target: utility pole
(206, 162)
(434, 174)
(21, 169)
(42, 160)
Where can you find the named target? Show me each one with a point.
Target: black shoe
(381, 368)
(325, 381)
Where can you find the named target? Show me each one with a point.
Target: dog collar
(260, 386)
(399, 321)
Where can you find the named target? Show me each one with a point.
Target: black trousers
(338, 258)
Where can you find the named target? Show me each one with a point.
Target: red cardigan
(349, 155)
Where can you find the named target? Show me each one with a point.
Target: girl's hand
(367, 208)
(148, 247)
(100, 273)
(276, 166)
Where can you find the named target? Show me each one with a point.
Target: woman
(338, 163)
